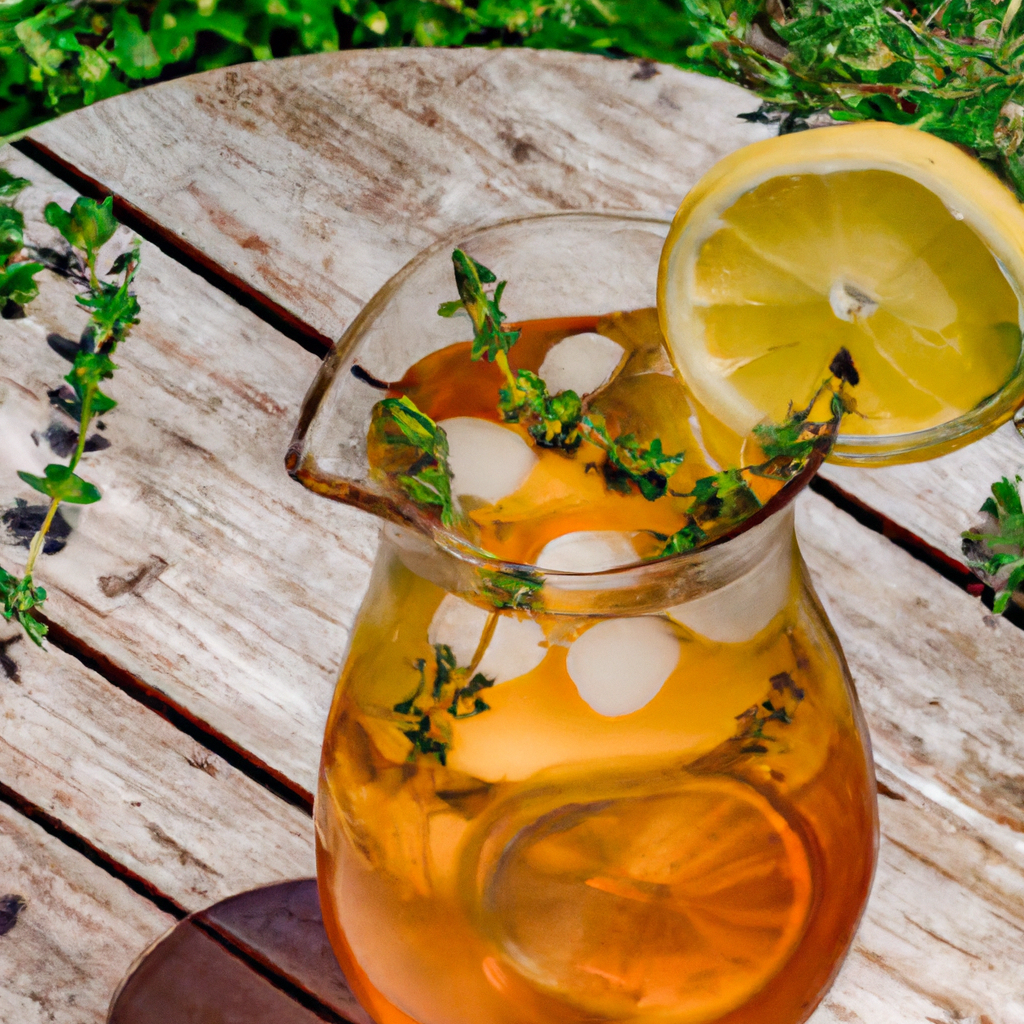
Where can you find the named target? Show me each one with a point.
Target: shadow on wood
(258, 958)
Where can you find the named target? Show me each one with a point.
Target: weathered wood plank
(931, 947)
(77, 936)
(204, 571)
(937, 500)
(938, 676)
(318, 178)
(138, 790)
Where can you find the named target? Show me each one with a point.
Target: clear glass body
(659, 806)
(703, 857)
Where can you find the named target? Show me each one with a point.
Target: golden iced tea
(533, 816)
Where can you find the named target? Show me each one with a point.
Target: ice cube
(515, 648)
(488, 461)
(588, 551)
(580, 363)
(620, 665)
(741, 609)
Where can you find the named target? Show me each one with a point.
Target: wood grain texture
(318, 178)
(940, 499)
(938, 681)
(134, 787)
(205, 571)
(77, 936)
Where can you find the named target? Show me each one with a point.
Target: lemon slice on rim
(872, 237)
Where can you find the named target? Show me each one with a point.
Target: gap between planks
(188, 255)
(181, 718)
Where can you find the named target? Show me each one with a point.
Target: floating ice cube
(488, 461)
(588, 551)
(619, 665)
(740, 609)
(515, 648)
(580, 363)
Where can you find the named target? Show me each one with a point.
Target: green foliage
(17, 283)
(552, 420)
(630, 464)
(11, 185)
(1007, 534)
(62, 484)
(490, 339)
(12, 232)
(423, 717)
(724, 500)
(425, 477)
(18, 596)
(952, 67)
(512, 588)
(113, 309)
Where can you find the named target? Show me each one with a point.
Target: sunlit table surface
(161, 756)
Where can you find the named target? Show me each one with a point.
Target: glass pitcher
(637, 792)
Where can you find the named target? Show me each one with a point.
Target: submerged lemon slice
(871, 237)
(678, 905)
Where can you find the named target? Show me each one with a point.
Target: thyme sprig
(1008, 533)
(113, 311)
(725, 499)
(424, 717)
(421, 448)
(779, 708)
(554, 421)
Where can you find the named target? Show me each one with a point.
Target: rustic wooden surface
(169, 748)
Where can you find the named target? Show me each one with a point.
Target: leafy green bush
(953, 67)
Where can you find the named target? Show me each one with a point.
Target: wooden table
(161, 756)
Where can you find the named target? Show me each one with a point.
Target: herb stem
(83, 425)
(485, 641)
(37, 541)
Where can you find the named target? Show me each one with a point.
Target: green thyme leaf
(12, 232)
(1007, 532)
(552, 420)
(630, 464)
(19, 596)
(686, 539)
(425, 475)
(10, 185)
(17, 282)
(62, 484)
(424, 716)
(87, 226)
(489, 337)
(512, 588)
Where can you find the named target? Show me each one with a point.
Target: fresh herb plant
(779, 708)
(562, 421)
(1007, 533)
(454, 693)
(113, 311)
